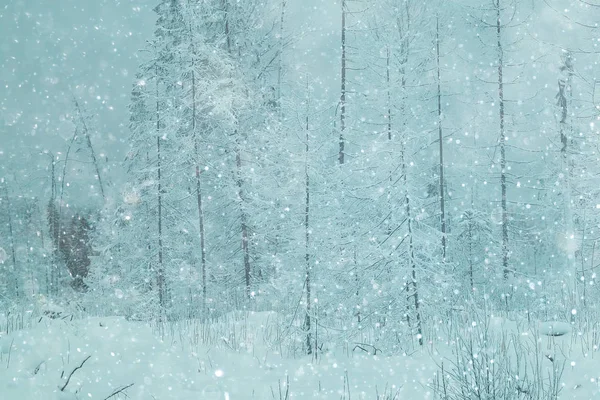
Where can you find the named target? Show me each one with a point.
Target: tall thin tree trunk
(342, 138)
(440, 138)
(200, 210)
(389, 93)
(279, 105)
(89, 144)
(411, 250)
(307, 321)
(149, 229)
(280, 57)
(53, 226)
(341, 154)
(160, 279)
(239, 177)
(13, 250)
(471, 272)
(60, 241)
(244, 223)
(198, 183)
(404, 30)
(388, 82)
(227, 31)
(565, 97)
(505, 248)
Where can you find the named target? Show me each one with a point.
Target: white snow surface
(35, 364)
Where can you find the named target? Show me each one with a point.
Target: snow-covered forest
(300, 199)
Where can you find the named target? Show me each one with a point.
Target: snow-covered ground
(94, 358)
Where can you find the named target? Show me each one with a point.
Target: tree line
(455, 166)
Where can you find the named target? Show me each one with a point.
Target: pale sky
(52, 51)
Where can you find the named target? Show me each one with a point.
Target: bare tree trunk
(341, 154)
(53, 227)
(200, 210)
(60, 240)
(342, 138)
(440, 138)
(411, 252)
(89, 144)
(244, 223)
(471, 272)
(280, 57)
(565, 97)
(505, 249)
(404, 29)
(307, 321)
(198, 183)
(227, 31)
(12, 242)
(239, 178)
(389, 93)
(160, 278)
(202, 235)
(388, 82)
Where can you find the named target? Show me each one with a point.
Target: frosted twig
(9, 353)
(119, 390)
(62, 389)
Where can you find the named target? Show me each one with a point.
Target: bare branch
(62, 389)
(118, 390)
